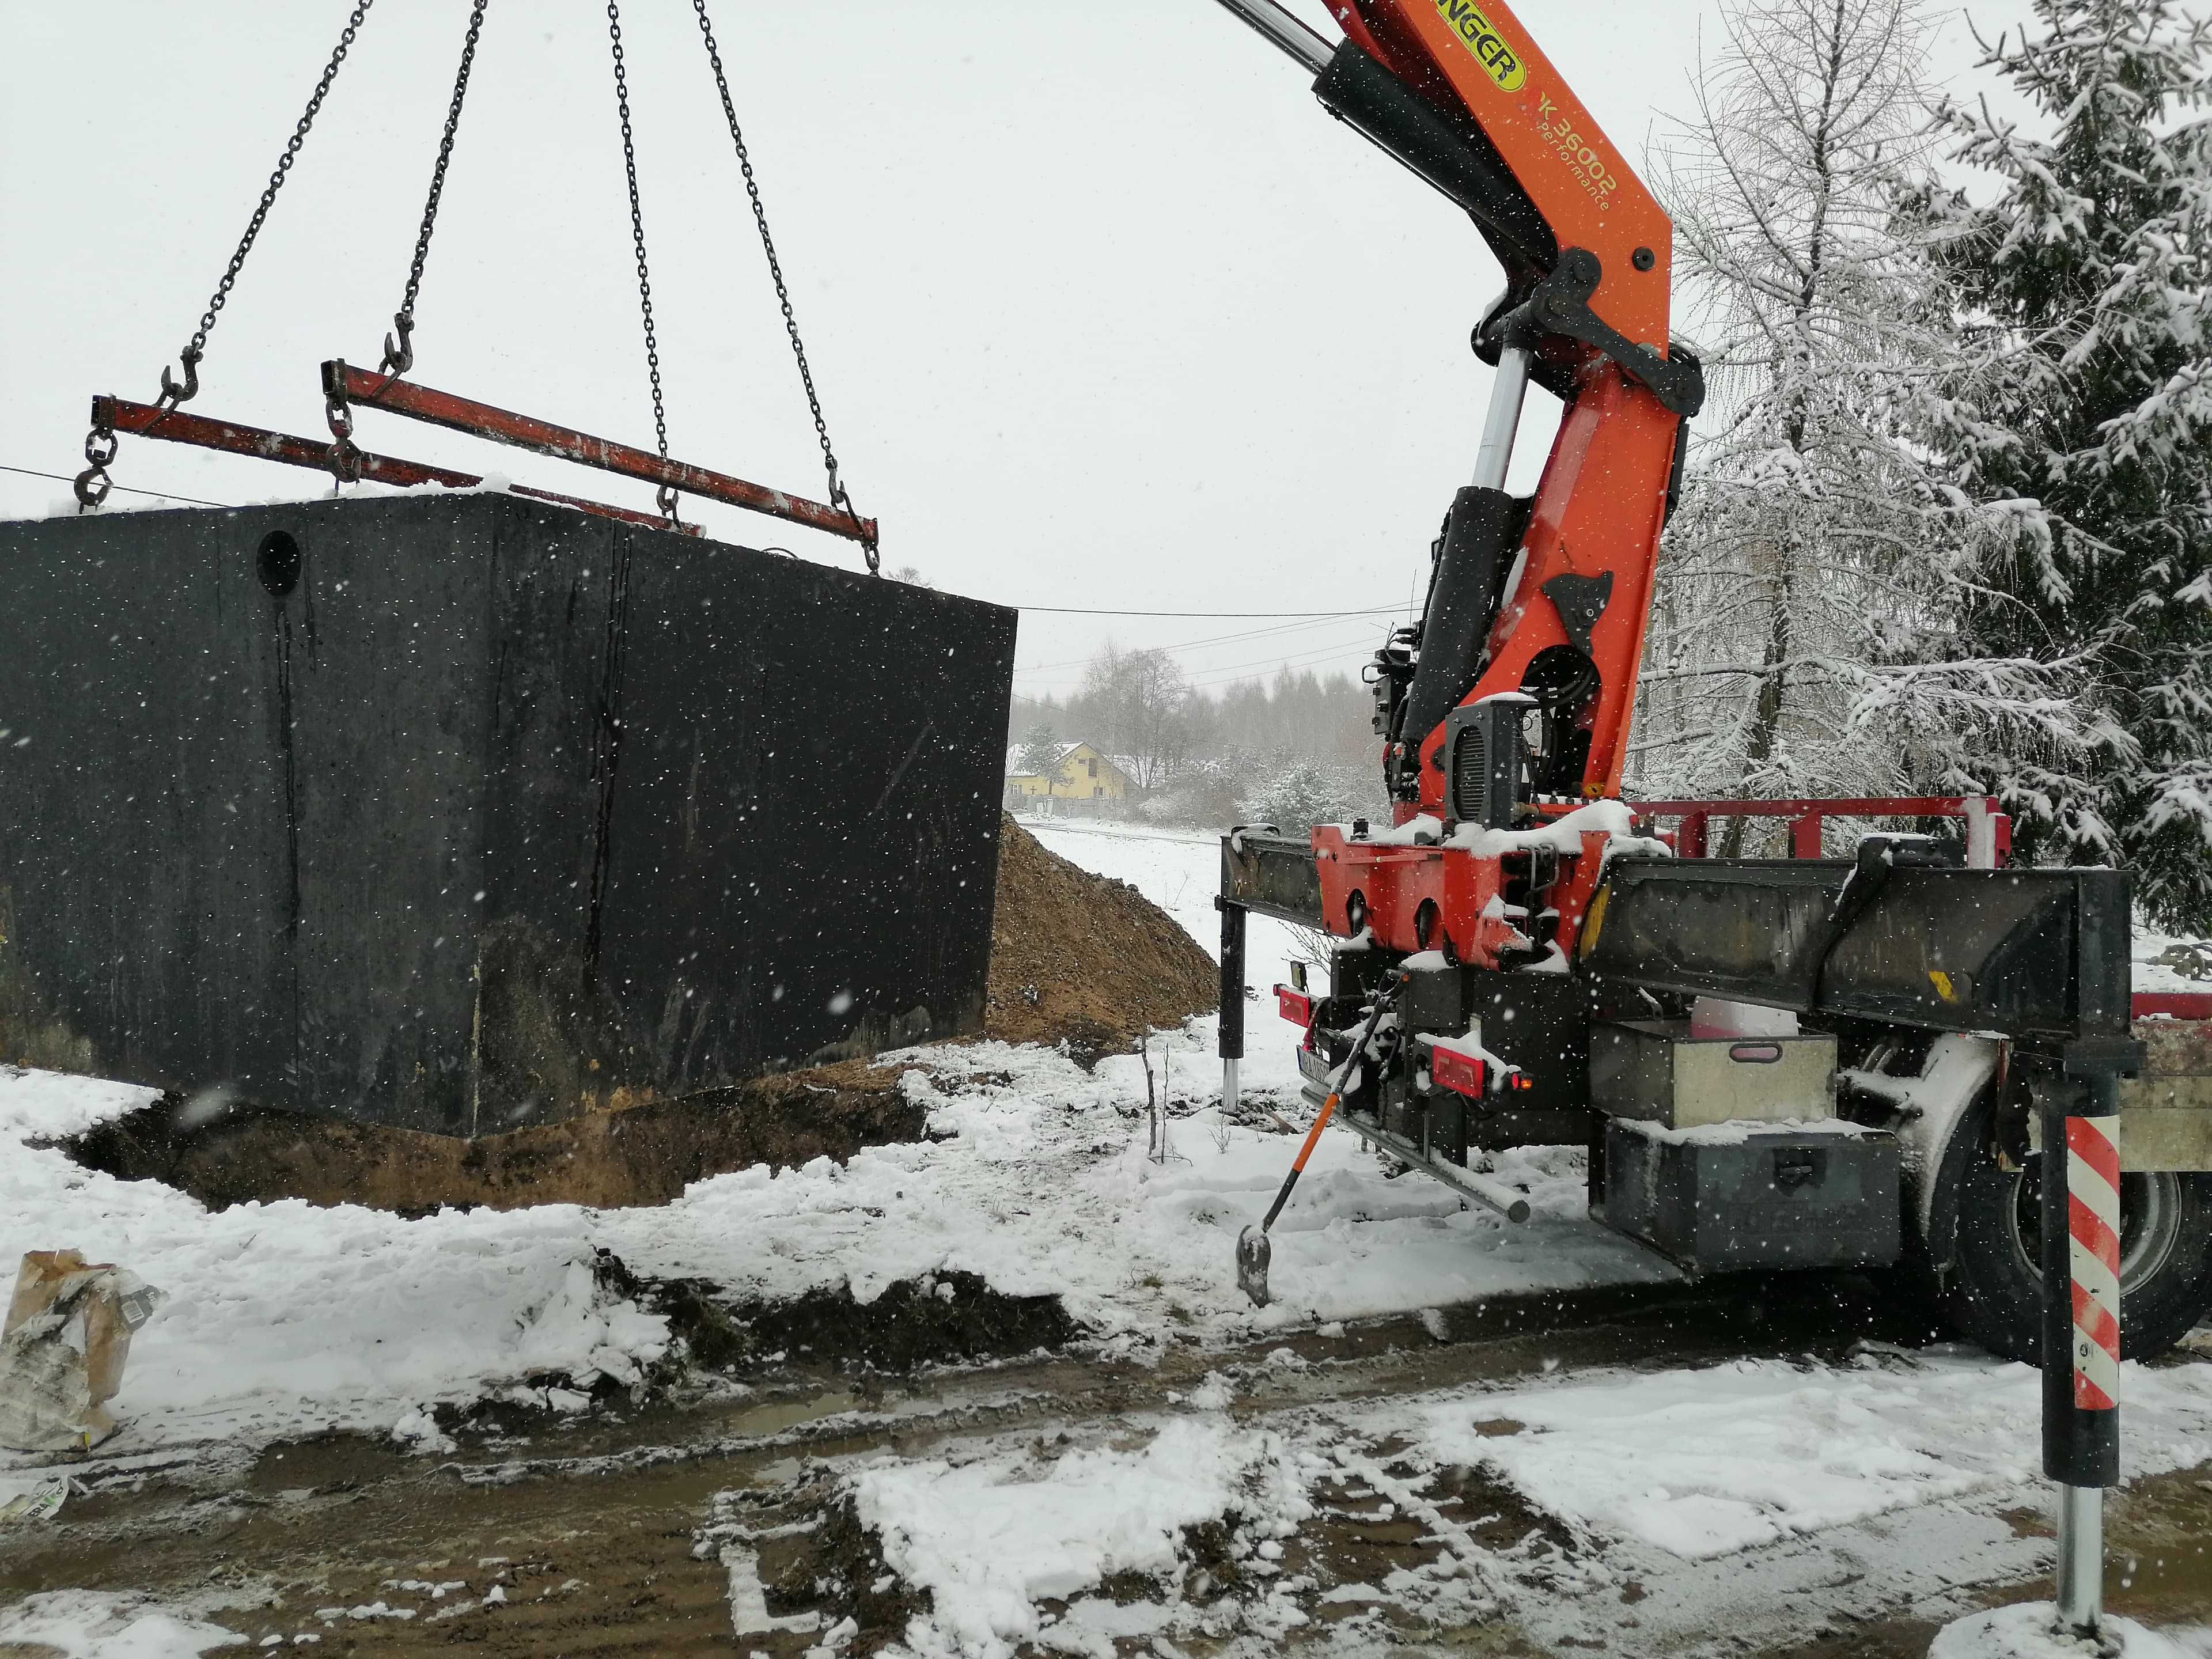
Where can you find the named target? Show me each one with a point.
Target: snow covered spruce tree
(1039, 754)
(1809, 586)
(2083, 409)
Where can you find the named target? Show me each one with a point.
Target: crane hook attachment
(399, 357)
(171, 394)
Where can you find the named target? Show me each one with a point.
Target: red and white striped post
(2082, 1313)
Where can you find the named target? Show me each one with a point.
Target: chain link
(665, 497)
(399, 355)
(344, 456)
(93, 484)
(838, 495)
(192, 352)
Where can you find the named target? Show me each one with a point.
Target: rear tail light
(1460, 1073)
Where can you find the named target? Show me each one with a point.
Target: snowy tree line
(1948, 522)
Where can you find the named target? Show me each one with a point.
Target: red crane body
(1539, 606)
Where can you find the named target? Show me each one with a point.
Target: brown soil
(641, 1154)
(1076, 958)
(1082, 959)
(946, 1319)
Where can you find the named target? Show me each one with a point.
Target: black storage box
(459, 811)
(1734, 1196)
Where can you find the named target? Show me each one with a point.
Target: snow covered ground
(2024, 1632)
(284, 1317)
(1689, 1495)
(1702, 1488)
(2164, 962)
(102, 1625)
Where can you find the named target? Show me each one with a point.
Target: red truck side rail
(1988, 831)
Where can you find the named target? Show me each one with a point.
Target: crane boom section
(1476, 54)
(1587, 252)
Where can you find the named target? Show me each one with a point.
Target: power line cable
(1243, 670)
(1219, 616)
(1315, 616)
(1192, 645)
(158, 495)
(1220, 676)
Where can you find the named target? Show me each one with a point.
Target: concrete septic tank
(463, 812)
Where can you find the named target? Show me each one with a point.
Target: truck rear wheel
(1993, 1293)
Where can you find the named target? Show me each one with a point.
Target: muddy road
(661, 1528)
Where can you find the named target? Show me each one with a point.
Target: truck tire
(1992, 1293)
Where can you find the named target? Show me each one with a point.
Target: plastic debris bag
(43, 1501)
(63, 1349)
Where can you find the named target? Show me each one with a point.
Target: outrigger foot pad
(1253, 1253)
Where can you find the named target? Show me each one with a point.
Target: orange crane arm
(1549, 598)
(1577, 592)
(1478, 61)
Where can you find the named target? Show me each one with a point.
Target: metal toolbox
(1734, 1197)
(1654, 1070)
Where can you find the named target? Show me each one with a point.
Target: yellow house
(1083, 774)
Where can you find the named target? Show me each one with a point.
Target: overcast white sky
(1104, 310)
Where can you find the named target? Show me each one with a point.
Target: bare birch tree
(1800, 636)
(1141, 701)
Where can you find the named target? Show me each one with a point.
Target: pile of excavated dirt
(641, 1154)
(1080, 959)
(1076, 959)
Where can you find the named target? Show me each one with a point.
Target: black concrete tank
(461, 811)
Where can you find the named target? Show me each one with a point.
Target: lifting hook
(400, 357)
(171, 394)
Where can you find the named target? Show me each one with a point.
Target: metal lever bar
(1285, 32)
(1492, 1194)
(175, 426)
(347, 385)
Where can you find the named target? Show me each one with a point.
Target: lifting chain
(399, 355)
(344, 457)
(100, 444)
(838, 495)
(664, 497)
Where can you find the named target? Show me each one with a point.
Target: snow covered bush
(1296, 794)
